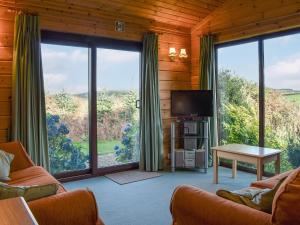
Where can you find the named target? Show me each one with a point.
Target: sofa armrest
(21, 158)
(193, 206)
(68, 208)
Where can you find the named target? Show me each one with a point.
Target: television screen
(192, 103)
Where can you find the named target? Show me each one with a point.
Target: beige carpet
(131, 176)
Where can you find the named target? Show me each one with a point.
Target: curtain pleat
(29, 113)
(151, 135)
(208, 82)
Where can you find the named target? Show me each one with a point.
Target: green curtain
(29, 115)
(151, 135)
(208, 82)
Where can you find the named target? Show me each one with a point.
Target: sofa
(193, 206)
(77, 207)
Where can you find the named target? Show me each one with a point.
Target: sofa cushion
(34, 175)
(21, 158)
(5, 160)
(260, 199)
(286, 204)
(271, 182)
(29, 193)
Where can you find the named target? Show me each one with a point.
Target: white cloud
(286, 39)
(284, 73)
(52, 79)
(75, 56)
(115, 56)
(76, 89)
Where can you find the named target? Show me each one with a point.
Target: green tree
(65, 102)
(104, 105)
(239, 119)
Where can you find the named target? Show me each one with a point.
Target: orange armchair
(193, 206)
(77, 207)
(74, 207)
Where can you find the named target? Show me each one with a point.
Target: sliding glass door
(66, 89)
(282, 98)
(238, 87)
(117, 112)
(259, 95)
(92, 92)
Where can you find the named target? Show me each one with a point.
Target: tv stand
(189, 144)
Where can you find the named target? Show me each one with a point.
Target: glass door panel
(118, 74)
(238, 94)
(282, 99)
(66, 93)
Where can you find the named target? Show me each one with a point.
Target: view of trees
(67, 120)
(64, 154)
(239, 120)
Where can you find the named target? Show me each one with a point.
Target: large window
(238, 94)
(117, 113)
(91, 92)
(66, 89)
(282, 98)
(259, 95)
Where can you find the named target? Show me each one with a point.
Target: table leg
(277, 165)
(234, 168)
(216, 165)
(260, 169)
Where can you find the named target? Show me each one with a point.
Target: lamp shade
(182, 53)
(172, 51)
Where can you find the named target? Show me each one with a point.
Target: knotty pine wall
(6, 52)
(238, 19)
(172, 75)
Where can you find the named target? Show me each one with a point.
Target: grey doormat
(131, 176)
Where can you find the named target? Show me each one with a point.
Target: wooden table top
(15, 211)
(255, 151)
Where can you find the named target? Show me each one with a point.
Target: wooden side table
(245, 153)
(15, 211)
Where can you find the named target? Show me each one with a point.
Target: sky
(66, 68)
(282, 61)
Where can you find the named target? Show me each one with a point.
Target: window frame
(260, 39)
(92, 43)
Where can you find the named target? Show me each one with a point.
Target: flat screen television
(192, 103)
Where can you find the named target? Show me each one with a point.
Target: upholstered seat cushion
(34, 175)
(29, 193)
(5, 161)
(260, 199)
(271, 182)
(286, 203)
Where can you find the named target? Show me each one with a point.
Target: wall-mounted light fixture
(172, 53)
(182, 53)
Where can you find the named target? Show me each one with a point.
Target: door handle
(137, 104)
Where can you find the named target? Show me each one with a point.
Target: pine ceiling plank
(172, 9)
(122, 7)
(118, 9)
(98, 15)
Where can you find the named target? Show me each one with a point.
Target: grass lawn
(293, 98)
(104, 147)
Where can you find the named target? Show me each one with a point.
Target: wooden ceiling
(147, 13)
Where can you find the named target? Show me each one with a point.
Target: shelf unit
(189, 144)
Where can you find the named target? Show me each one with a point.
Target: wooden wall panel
(239, 19)
(6, 54)
(172, 75)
